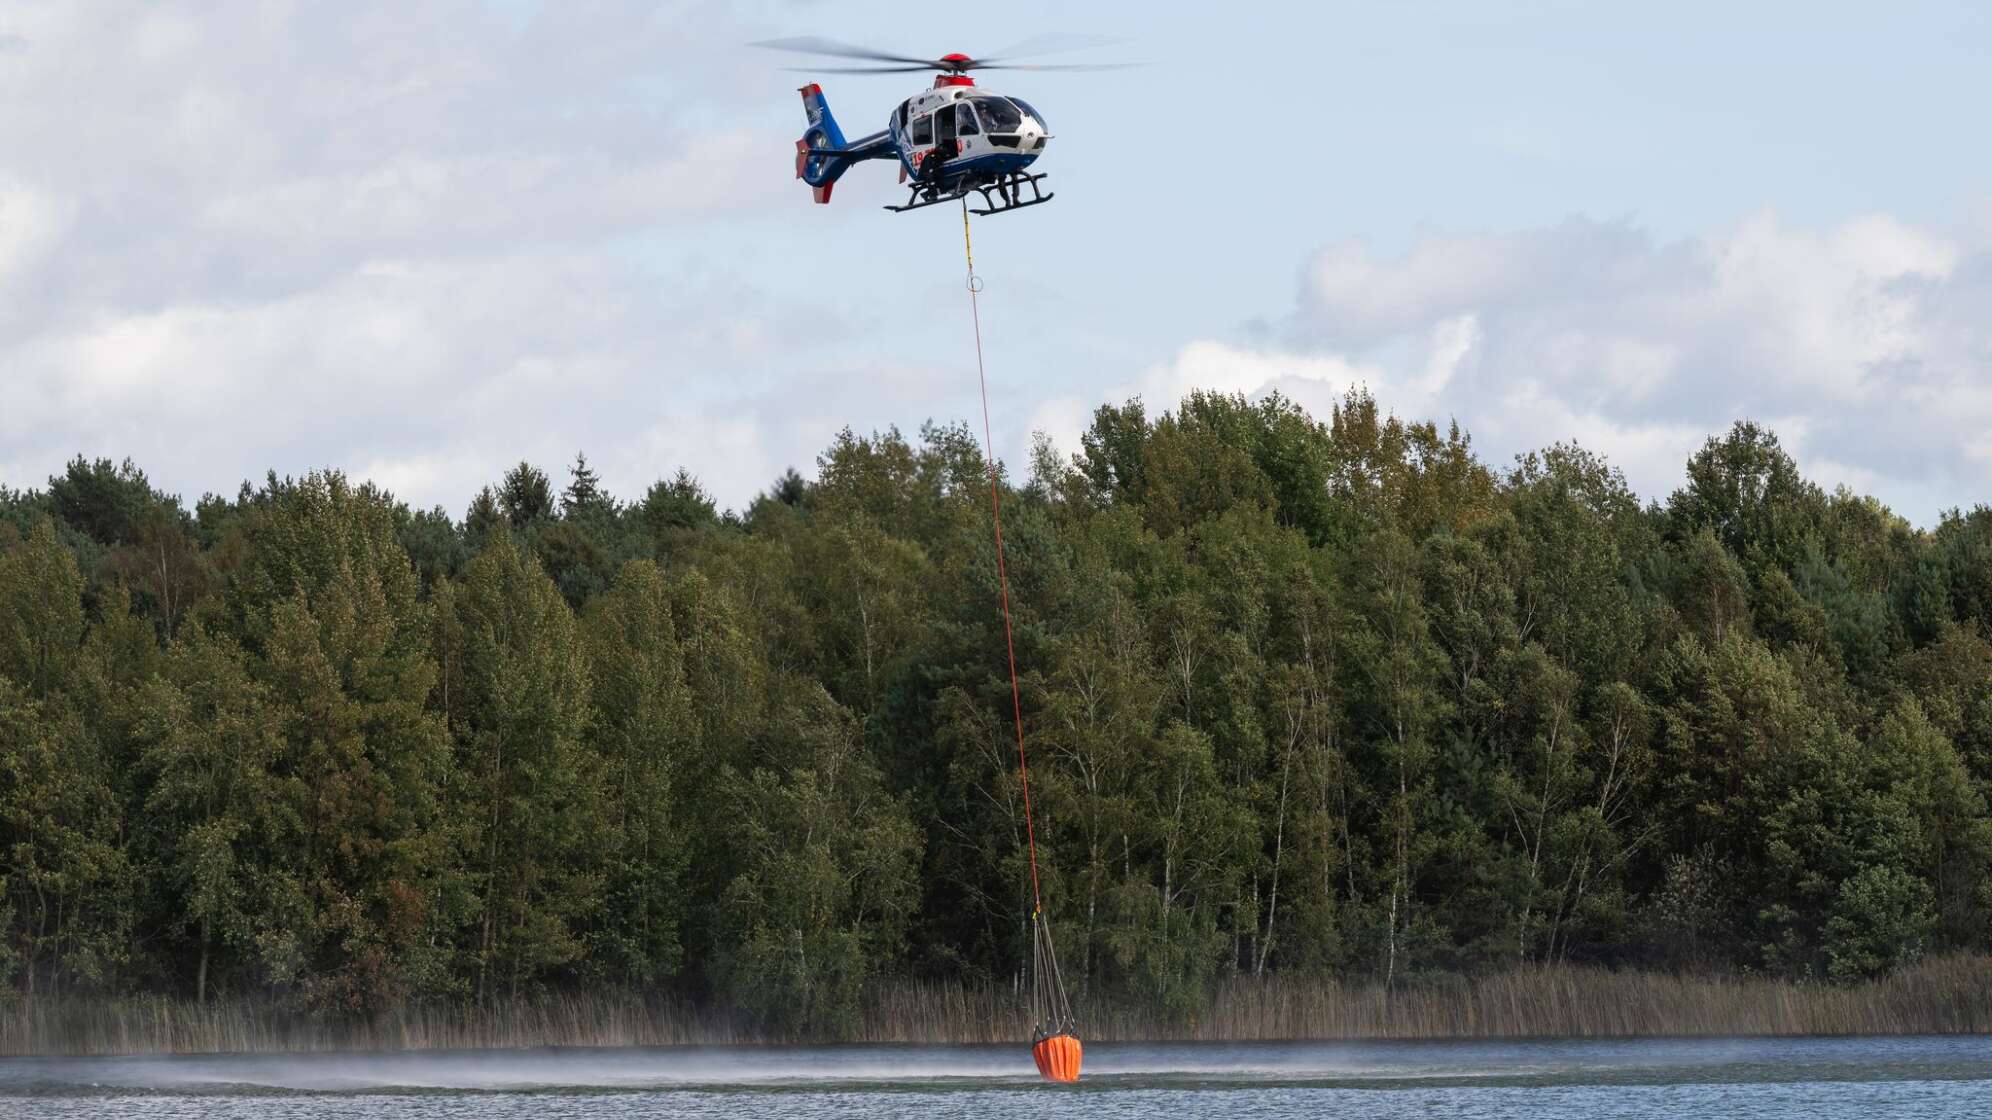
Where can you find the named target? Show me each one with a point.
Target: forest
(1304, 696)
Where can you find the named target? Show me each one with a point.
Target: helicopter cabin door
(967, 129)
(920, 136)
(946, 146)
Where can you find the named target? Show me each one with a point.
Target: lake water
(1856, 1079)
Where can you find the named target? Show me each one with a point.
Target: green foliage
(1882, 919)
(681, 505)
(105, 503)
(41, 611)
(327, 603)
(1322, 696)
(584, 496)
(531, 808)
(825, 882)
(434, 544)
(525, 497)
(1746, 490)
(210, 742)
(66, 879)
(647, 737)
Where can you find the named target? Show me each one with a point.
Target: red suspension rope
(1002, 573)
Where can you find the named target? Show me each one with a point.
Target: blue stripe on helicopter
(993, 162)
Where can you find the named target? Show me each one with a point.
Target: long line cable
(1050, 1010)
(1002, 572)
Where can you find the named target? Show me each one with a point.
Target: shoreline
(1949, 995)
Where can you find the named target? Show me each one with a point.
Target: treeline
(1328, 699)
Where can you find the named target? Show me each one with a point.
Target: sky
(421, 241)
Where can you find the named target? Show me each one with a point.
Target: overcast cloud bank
(1864, 345)
(421, 243)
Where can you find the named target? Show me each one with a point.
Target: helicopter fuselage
(958, 132)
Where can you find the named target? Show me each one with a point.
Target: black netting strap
(1051, 1012)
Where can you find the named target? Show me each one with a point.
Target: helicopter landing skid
(999, 196)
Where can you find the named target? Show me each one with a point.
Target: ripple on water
(1851, 1078)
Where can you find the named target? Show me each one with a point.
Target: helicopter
(951, 140)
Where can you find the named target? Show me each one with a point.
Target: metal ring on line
(974, 282)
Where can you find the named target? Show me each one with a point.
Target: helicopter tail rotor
(817, 158)
(822, 154)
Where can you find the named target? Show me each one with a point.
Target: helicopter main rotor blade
(857, 69)
(953, 64)
(811, 44)
(1038, 45)
(1066, 66)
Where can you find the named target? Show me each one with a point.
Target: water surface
(1834, 1079)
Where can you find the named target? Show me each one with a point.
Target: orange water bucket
(1057, 1057)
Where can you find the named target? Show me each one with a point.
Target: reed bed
(1948, 995)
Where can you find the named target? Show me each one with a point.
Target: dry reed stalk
(1946, 995)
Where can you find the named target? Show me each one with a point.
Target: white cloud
(30, 224)
(1864, 344)
(415, 243)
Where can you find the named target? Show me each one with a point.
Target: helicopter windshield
(1030, 112)
(998, 115)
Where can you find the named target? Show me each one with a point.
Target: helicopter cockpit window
(1026, 107)
(965, 120)
(999, 115)
(923, 129)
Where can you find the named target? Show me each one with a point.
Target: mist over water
(1848, 1078)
